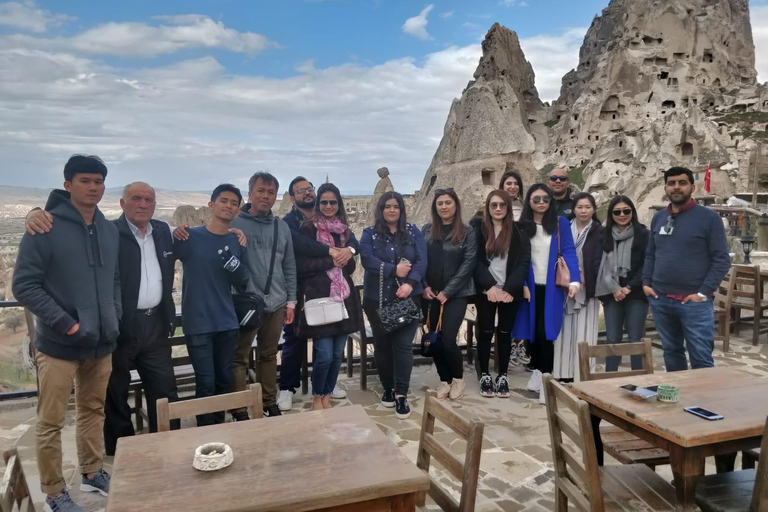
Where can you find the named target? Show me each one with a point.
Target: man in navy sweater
(686, 259)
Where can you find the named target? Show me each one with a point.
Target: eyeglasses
(326, 203)
(443, 191)
(558, 178)
(497, 206)
(624, 211)
(541, 199)
(305, 190)
(670, 224)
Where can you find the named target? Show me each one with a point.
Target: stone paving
(516, 464)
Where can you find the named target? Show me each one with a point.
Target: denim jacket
(375, 249)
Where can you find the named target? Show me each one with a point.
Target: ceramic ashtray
(668, 393)
(212, 456)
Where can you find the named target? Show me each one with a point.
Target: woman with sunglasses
(540, 318)
(398, 248)
(512, 183)
(503, 259)
(321, 277)
(580, 322)
(619, 283)
(451, 255)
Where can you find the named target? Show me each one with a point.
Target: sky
(187, 95)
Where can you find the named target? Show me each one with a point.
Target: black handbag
(397, 313)
(432, 342)
(249, 307)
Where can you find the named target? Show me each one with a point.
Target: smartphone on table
(641, 392)
(703, 413)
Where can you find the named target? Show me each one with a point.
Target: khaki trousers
(55, 380)
(266, 356)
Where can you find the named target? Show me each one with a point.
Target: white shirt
(540, 254)
(151, 287)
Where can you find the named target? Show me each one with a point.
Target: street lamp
(747, 242)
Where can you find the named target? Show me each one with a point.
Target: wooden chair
(620, 444)
(745, 490)
(14, 491)
(747, 293)
(466, 472)
(250, 398)
(749, 458)
(723, 310)
(579, 480)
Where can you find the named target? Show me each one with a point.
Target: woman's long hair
(516, 175)
(498, 245)
(380, 225)
(549, 220)
(436, 231)
(330, 187)
(589, 197)
(609, 222)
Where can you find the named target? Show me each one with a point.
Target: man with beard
(686, 259)
(561, 189)
(302, 195)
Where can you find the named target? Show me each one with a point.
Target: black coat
(635, 277)
(518, 262)
(458, 262)
(130, 274)
(314, 283)
(592, 253)
(303, 246)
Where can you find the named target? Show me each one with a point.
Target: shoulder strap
(271, 261)
(557, 228)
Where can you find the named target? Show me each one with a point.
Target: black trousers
(542, 349)
(487, 326)
(150, 355)
(448, 361)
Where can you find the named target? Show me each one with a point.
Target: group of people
(536, 266)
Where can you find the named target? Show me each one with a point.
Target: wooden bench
(250, 398)
(14, 490)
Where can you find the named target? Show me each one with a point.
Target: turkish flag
(708, 179)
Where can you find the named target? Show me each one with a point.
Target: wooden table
(739, 396)
(334, 460)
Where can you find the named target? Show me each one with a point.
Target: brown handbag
(562, 272)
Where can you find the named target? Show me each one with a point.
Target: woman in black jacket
(619, 282)
(451, 253)
(503, 260)
(320, 277)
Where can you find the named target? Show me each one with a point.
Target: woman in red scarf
(321, 278)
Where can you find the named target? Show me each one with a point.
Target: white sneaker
(542, 396)
(285, 400)
(457, 389)
(534, 383)
(338, 393)
(443, 390)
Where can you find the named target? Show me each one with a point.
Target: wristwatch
(352, 249)
(702, 297)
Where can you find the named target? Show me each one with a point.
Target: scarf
(580, 299)
(325, 229)
(617, 263)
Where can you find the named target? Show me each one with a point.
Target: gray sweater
(693, 259)
(259, 232)
(70, 275)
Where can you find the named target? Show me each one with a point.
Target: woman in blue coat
(540, 318)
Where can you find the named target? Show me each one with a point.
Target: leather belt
(148, 312)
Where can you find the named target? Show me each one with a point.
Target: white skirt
(578, 326)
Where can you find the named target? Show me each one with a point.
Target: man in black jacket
(147, 268)
(302, 195)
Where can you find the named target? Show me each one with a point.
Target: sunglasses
(443, 191)
(541, 199)
(558, 178)
(326, 203)
(497, 206)
(305, 190)
(624, 211)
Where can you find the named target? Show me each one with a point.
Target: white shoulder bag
(324, 311)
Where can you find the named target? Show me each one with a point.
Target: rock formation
(191, 216)
(497, 124)
(384, 185)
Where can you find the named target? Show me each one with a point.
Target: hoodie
(259, 232)
(70, 275)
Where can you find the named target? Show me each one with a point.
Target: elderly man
(146, 267)
(561, 189)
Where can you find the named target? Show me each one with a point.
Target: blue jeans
(327, 354)
(290, 360)
(677, 323)
(628, 314)
(212, 355)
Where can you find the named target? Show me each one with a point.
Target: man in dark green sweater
(686, 259)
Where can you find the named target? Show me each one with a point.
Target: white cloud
(552, 56)
(417, 26)
(447, 14)
(514, 3)
(759, 18)
(173, 34)
(26, 16)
